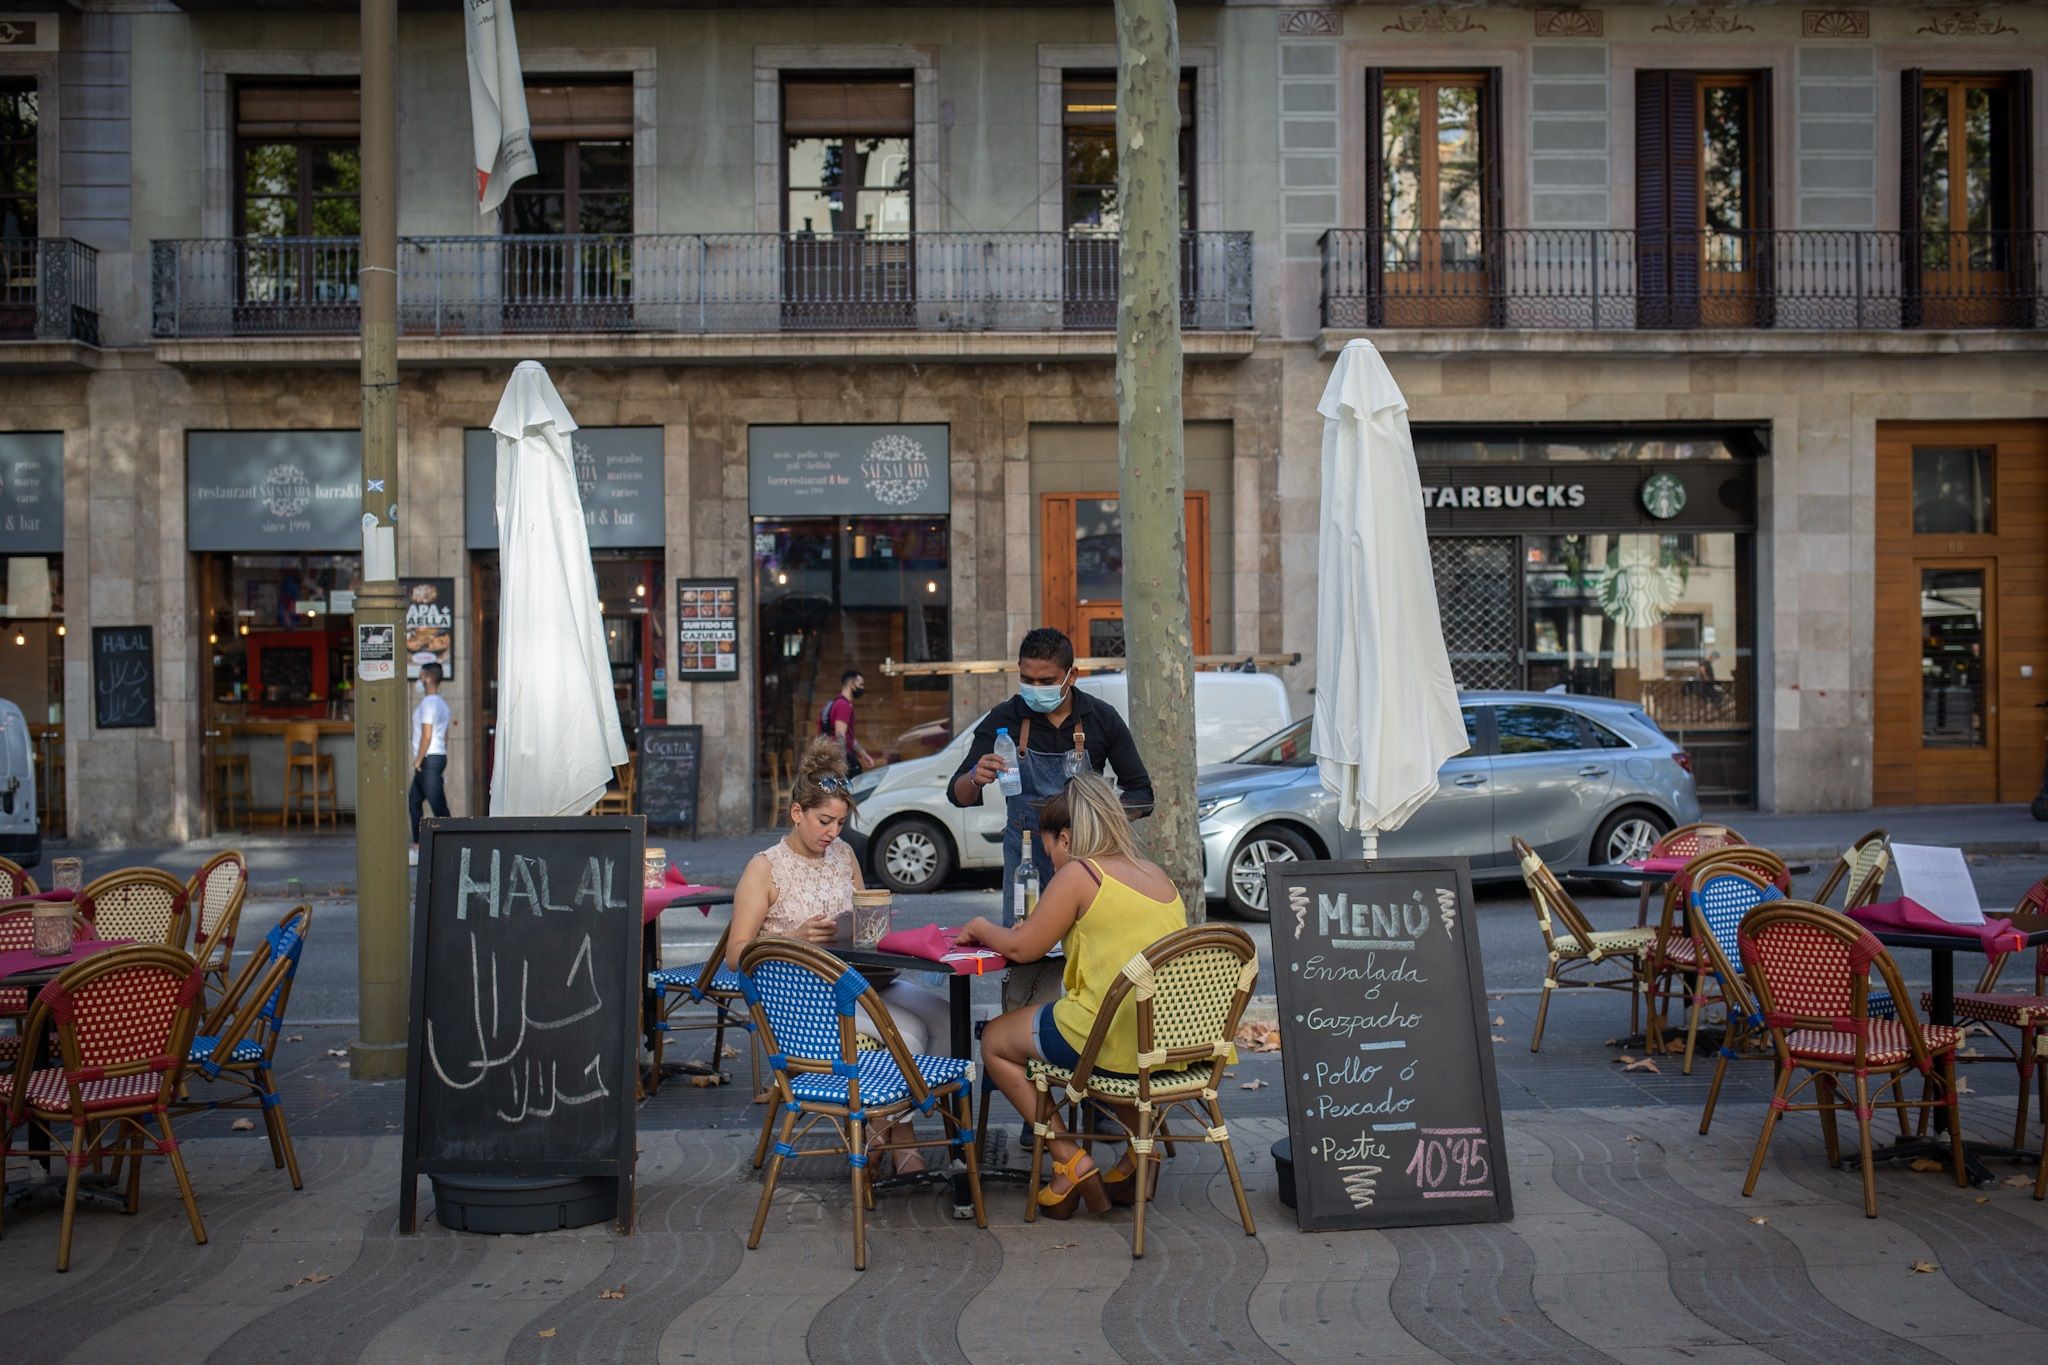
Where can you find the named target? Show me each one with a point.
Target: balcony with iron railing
(1618, 280)
(458, 288)
(49, 291)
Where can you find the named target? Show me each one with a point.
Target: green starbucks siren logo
(1663, 496)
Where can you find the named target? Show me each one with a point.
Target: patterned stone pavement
(1631, 1242)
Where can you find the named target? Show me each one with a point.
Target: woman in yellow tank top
(1106, 903)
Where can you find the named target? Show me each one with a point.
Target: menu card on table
(1938, 879)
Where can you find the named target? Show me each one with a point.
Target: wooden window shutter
(278, 113)
(1667, 199)
(1763, 202)
(1910, 171)
(876, 107)
(1375, 196)
(564, 112)
(1492, 198)
(2021, 193)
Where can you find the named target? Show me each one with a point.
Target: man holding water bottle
(1056, 730)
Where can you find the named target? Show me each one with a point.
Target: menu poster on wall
(429, 624)
(707, 629)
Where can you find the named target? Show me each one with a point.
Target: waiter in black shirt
(1058, 729)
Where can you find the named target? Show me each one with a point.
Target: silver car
(1583, 779)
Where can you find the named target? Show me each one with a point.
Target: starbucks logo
(285, 491)
(586, 469)
(1639, 588)
(1663, 496)
(896, 470)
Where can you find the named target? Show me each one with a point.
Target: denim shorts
(1054, 1047)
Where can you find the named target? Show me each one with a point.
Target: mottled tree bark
(1158, 634)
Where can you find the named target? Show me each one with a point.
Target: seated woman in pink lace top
(801, 887)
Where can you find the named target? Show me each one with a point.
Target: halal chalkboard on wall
(666, 773)
(1393, 1111)
(526, 983)
(123, 677)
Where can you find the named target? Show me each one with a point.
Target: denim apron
(1044, 776)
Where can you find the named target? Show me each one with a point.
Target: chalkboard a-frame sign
(671, 758)
(1393, 1109)
(526, 983)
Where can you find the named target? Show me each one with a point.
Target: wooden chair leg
(767, 1127)
(1692, 1024)
(1041, 1120)
(1543, 1008)
(768, 1184)
(1863, 1146)
(74, 1166)
(1827, 1093)
(965, 1102)
(1954, 1103)
(134, 1201)
(1763, 1138)
(857, 1139)
(2028, 1064)
(281, 1132)
(1141, 1158)
(1244, 1208)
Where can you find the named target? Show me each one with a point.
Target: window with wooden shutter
(1432, 180)
(1966, 198)
(848, 209)
(1667, 199)
(20, 121)
(583, 150)
(298, 167)
(1703, 200)
(1089, 165)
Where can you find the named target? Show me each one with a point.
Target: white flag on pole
(497, 102)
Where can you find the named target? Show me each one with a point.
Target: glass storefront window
(32, 669)
(849, 593)
(1952, 491)
(1952, 658)
(280, 637)
(1511, 446)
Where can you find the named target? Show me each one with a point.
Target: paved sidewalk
(1631, 1242)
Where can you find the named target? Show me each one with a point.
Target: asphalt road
(1512, 950)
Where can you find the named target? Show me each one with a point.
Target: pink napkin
(1660, 864)
(935, 944)
(658, 899)
(1906, 915)
(28, 960)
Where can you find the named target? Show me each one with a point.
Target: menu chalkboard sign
(123, 677)
(666, 775)
(526, 984)
(1392, 1107)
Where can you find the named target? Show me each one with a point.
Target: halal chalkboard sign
(666, 773)
(526, 983)
(123, 677)
(1393, 1111)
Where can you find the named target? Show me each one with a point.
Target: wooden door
(1961, 612)
(1081, 589)
(1973, 192)
(1433, 162)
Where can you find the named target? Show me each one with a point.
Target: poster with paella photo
(429, 624)
(707, 629)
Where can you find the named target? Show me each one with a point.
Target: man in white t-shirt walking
(430, 721)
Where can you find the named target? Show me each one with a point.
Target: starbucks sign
(1663, 496)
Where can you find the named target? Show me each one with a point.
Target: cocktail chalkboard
(1392, 1106)
(666, 775)
(526, 983)
(123, 677)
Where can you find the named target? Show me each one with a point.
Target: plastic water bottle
(1010, 781)
(1027, 888)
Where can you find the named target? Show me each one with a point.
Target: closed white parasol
(1387, 714)
(558, 725)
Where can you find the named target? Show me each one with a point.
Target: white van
(21, 841)
(916, 837)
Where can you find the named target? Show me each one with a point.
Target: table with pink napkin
(678, 887)
(934, 943)
(24, 960)
(1907, 916)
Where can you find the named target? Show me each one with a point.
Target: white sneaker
(412, 857)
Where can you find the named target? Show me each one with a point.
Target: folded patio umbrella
(1387, 714)
(558, 724)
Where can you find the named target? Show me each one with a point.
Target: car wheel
(912, 855)
(1245, 887)
(1625, 836)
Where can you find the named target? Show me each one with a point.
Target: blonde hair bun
(820, 773)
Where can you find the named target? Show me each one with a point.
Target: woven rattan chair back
(14, 881)
(1810, 967)
(253, 1004)
(1188, 991)
(1858, 872)
(1719, 904)
(1689, 841)
(138, 903)
(2034, 901)
(803, 1000)
(215, 895)
(1556, 912)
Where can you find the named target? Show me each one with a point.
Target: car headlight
(863, 786)
(1207, 808)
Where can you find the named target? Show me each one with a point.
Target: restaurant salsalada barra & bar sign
(1393, 1111)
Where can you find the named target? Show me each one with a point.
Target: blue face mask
(1043, 698)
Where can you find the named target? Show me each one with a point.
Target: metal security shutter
(1476, 578)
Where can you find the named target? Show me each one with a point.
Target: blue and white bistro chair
(1714, 915)
(710, 982)
(803, 1002)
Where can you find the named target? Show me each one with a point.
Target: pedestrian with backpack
(836, 720)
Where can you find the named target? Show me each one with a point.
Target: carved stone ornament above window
(1311, 23)
(1964, 23)
(1434, 19)
(1704, 19)
(1834, 23)
(1570, 23)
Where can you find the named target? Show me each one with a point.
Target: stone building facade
(192, 281)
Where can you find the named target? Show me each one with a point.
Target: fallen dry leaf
(1500, 1020)
(241, 1125)
(1626, 1060)
(2018, 1182)
(728, 1051)
(1924, 1163)
(1759, 1220)
(1498, 1038)
(337, 1052)
(315, 1278)
(1925, 1267)
(1064, 1246)
(1258, 1037)
(1983, 1198)
(1644, 1065)
(1613, 1042)
(618, 1293)
(1963, 1088)
(1633, 1137)
(1253, 1084)
(545, 1332)
(1501, 996)
(295, 1038)
(703, 1082)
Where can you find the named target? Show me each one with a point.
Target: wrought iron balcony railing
(50, 290)
(1615, 279)
(702, 284)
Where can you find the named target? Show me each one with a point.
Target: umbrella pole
(1369, 844)
(382, 727)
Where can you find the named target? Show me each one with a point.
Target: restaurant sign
(274, 490)
(32, 492)
(1490, 495)
(849, 471)
(618, 477)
